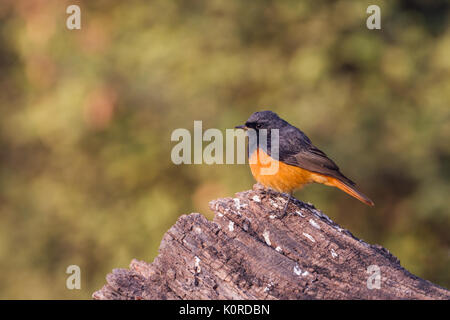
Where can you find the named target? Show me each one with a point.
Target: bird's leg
(261, 189)
(286, 205)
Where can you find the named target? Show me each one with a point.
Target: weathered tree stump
(249, 252)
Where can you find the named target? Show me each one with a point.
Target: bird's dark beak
(241, 127)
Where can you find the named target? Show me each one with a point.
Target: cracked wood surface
(249, 252)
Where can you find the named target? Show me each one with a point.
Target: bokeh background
(86, 117)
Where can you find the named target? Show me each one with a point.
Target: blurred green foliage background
(86, 117)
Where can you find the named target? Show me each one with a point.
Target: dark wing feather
(297, 151)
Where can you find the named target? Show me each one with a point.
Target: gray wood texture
(249, 252)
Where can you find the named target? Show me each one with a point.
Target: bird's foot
(281, 214)
(263, 194)
(267, 193)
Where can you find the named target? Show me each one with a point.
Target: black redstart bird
(299, 161)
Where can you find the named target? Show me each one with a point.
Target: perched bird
(299, 162)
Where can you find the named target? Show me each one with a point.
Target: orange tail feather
(351, 191)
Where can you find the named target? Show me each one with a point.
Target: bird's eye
(258, 126)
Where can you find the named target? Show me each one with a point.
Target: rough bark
(249, 252)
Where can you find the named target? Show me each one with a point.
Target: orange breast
(286, 178)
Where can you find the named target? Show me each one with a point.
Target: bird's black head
(264, 120)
